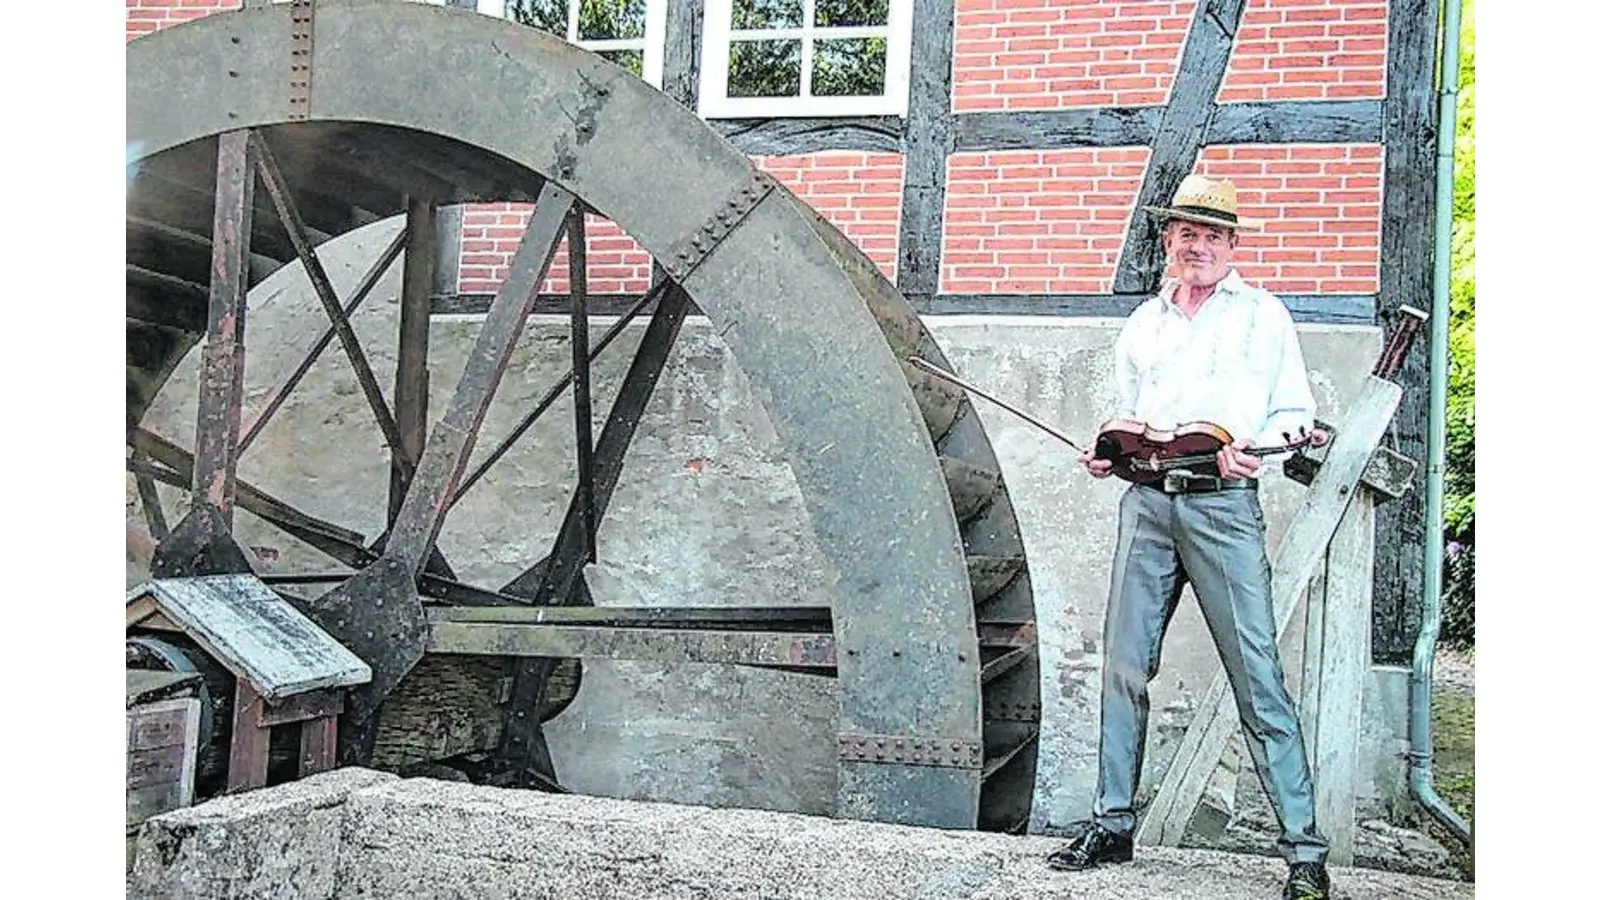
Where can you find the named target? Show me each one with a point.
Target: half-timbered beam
(1178, 137)
(929, 140)
(1405, 274)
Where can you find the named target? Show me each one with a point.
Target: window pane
(849, 67)
(632, 60)
(764, 69)
(843, 13)
(600, 20)
(754, 14)
(546, 15)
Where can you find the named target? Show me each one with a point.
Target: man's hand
(1231, 463)
(1318, 437)
(1099, 468)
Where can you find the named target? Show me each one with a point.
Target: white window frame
(653, 43)
(719, 35)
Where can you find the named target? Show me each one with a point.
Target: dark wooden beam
(1297, 122)
(1405, 273)
(1323, 309)
(1178, 137)
(1127, 126)
(929, 140)
(788, 137)
(1326, 309)
(680, 62)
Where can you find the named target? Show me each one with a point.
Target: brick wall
(145, 16)
(1023, 222)
(1047, 54)
(1052, 222)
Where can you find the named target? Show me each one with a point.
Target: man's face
(1199, 253)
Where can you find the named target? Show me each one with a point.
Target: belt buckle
(1183, 481)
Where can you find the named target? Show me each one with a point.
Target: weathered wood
(301, 707)
(411, 364)
(790, 137)
(319, 744)
(775, 648)
(929, 140)
(444, 707)
(680, 53)
(254, 633)
(1126, 126)
(1333, 674)
(550, 304)
(249, 748)
(1298, 122)
(1389, 475)
(1178, 138)
(1323, 309)
(1405, 276)
(150, 685)
(1300, 556)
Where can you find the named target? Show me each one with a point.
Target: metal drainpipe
(1421, 726)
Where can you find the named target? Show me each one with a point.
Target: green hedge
(1460, 457)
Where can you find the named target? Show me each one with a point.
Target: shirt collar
(1231, 283)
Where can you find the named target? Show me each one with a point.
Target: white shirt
(1237, 364)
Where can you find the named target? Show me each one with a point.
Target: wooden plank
(1405, 276)
(1334, 677)
(319, 740)
(1178, 138)
(929, 139)
(161, 778)
(680, 52)
(1297, 122)
(1300, 556)
(791, 137)
(162, 724)
(300, 707)
(1389, 475)
(1326, 309)
(254, 633)
(1126, 126)
(247, 754)
(149, 685)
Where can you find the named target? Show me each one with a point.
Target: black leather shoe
(1094, 846)
(1307, 881)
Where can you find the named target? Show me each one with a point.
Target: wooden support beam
(789, 137)
(1301, 555)
(1405, 276)
(1338, 643)
(247, 755)
(680, 55)
(929, 140)
(1104, 126)
(1179, 137)
(759, 648)
(1297, 122)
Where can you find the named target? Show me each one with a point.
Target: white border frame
(717, 36)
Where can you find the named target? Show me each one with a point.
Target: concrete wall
(707, 513)
(356, 833)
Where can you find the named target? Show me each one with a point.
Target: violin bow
(939, 373)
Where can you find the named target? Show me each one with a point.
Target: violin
(1144, 455)
(1138, 453)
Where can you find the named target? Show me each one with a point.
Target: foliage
(1460, 407)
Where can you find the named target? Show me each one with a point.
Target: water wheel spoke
(560, 576)
(289, 217)
(422, 513)
(281, 391)
(582, 402)
(555, 392)
(411, 366)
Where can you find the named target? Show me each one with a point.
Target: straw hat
(1199, 199)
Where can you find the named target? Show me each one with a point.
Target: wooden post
(319, 740)
(1334, 670)
(1301, 554)
(247, 757)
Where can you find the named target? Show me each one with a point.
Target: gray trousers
(1215, 541)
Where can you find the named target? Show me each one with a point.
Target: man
(1208, 347)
